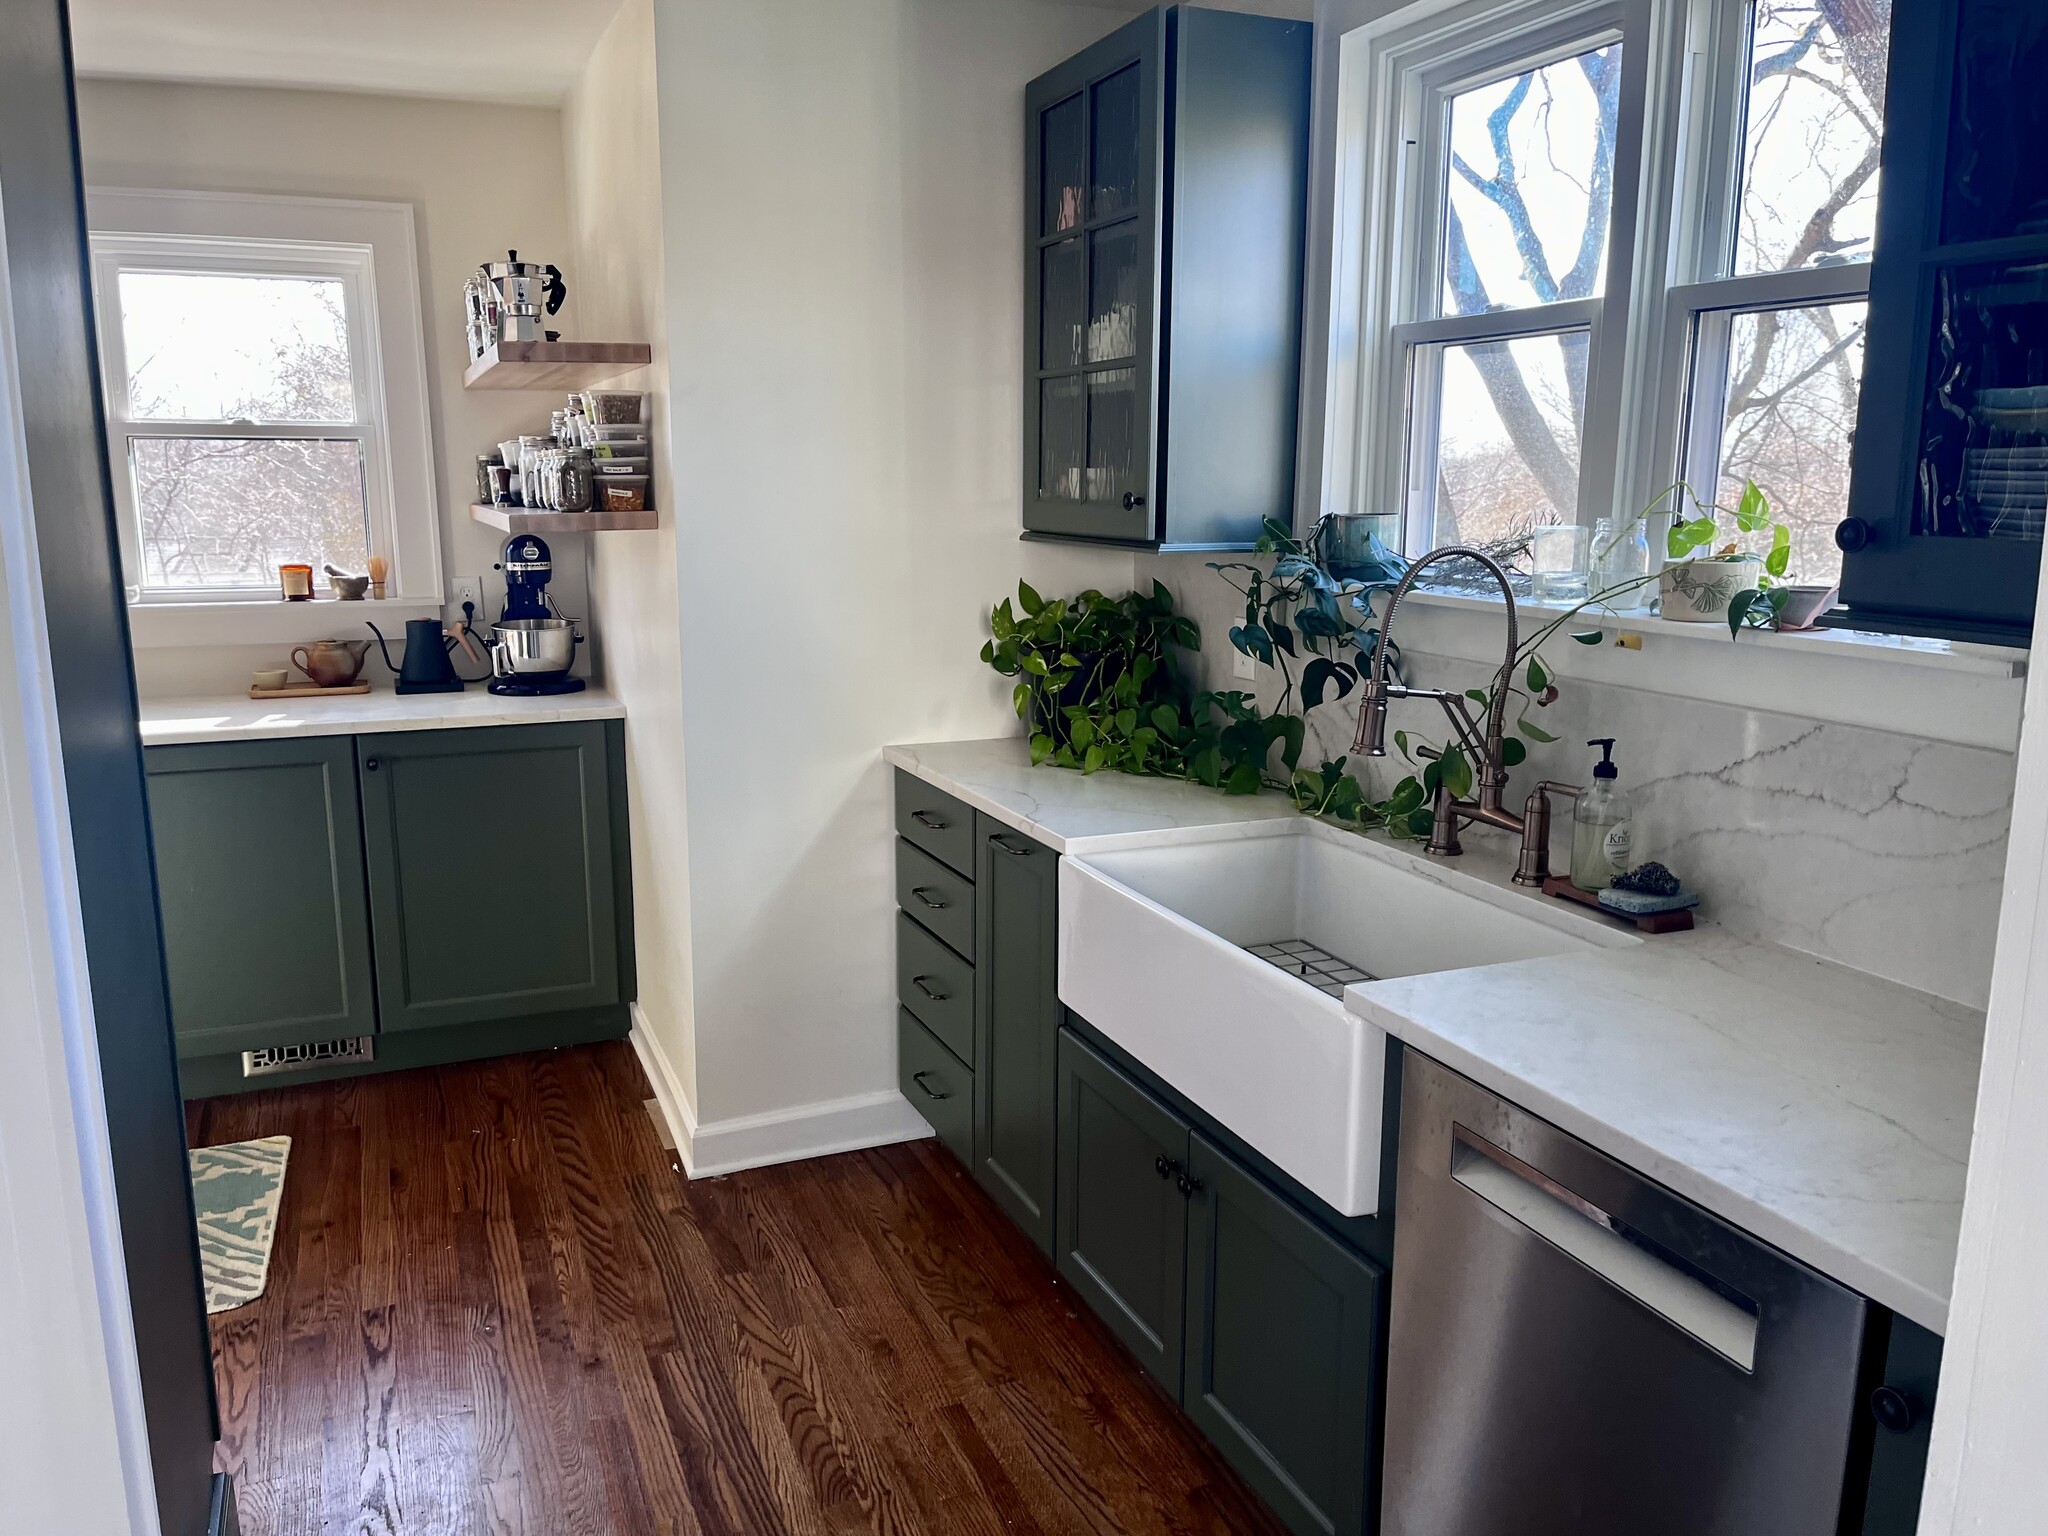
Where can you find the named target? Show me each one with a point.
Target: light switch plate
(1242, 666)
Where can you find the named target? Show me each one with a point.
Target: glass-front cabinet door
(1946, 516)
(1092, 255)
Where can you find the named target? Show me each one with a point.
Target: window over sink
(265, 388)
(1587, 249)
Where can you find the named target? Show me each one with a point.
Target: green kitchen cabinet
(1123, 1206)
(490, 855)
(266, 917)
(1283, 1345)
(1017, 1020)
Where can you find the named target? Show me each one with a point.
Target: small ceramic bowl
(270, 679)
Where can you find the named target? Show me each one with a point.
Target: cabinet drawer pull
(1166, 1167)
(1133, 501)
(1188, 1185)
(997, 840)
(372, 764)
(920, 892)
(927, 819)
(937, 997)
(930, 1092)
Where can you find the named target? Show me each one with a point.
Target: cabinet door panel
(1282, 1343)
(1017, 1022)
(1123, 1220)
(260, 872)
(1092, 299)
(490, 860)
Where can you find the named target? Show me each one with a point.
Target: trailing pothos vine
(1099, 679)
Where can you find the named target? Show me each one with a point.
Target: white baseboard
(669, 1097)
(777, 1136)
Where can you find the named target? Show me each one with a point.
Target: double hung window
(265, 386)
(1594, 249)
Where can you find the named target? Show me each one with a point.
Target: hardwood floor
(497, 1308)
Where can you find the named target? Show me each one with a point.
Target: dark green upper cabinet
(1166, 189)
(1016, 1024)
(491, 880)
(1951, 455)
(260, 876)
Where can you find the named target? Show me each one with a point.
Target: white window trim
(371, 246)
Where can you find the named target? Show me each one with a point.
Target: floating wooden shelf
(517, 520)
(555, 364)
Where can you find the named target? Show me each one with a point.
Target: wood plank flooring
(497, 1308)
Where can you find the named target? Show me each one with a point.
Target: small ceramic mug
(270, 679)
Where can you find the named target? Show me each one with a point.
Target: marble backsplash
(1878, 850)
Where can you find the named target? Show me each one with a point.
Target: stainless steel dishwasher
(1576, 1351)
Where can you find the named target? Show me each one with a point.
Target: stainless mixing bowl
(532, 645)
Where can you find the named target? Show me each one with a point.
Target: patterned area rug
(236, 1189)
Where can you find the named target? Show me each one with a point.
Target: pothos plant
(1099, 679)
(1100, 684)
(1756, 607)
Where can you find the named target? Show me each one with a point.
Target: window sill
(1949, 691)
(269, 621)
(2000, 661)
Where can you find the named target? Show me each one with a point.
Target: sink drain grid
(1316, 966)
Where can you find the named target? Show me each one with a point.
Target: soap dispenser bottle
(1600, 825)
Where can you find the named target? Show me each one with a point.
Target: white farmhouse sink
(1153, 952)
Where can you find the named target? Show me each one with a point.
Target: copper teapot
(331, 663)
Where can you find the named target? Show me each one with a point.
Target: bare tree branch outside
(1528, 200)
(221, 510)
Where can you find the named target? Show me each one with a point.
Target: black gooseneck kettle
(427, 667)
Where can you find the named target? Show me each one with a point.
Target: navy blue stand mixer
(532, 647)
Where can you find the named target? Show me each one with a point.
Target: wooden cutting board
(307, 691)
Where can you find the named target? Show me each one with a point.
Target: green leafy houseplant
(1093, 672)
(1299, 615)
(1099, 682)
(1754, 607)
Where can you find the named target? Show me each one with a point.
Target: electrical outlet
(1242, 666)
(467, 589)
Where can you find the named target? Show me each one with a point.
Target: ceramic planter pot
(1699, 591)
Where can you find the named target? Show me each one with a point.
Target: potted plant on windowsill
(1707, 580)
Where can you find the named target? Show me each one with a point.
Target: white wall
(480, 178)
(842, 184)
(613, 158)
(1984, 1468)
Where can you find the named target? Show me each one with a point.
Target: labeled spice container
(622, 493)
(295, 583)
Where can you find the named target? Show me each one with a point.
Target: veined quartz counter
(1069, 811)
(1824, 1110)
(237, 717)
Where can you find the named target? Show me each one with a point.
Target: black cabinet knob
(1165, 1166)
(371, 764)
(1132, 501)
(1897, 1411)
(1854, 533)
(1188, 1185)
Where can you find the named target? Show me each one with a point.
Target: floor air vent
(303, 1058)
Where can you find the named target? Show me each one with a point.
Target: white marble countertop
(237, 717)
(1069, 811)
(1824, 1110)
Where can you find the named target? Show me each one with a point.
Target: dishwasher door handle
(1626, 1260)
